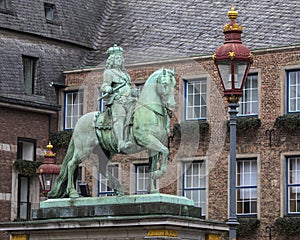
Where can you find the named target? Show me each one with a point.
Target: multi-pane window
(249, 99)
(105, 188)
(73, 108)
(246, 186)
(194, 183)
(195, 99)
(293, 91)
(142, 179)
(29, 68)
(293, 185)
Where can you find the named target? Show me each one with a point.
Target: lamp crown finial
(232, 26)
(232, 14)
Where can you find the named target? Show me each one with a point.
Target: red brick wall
(215, 144)
(17, 123)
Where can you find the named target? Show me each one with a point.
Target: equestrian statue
(130, 124)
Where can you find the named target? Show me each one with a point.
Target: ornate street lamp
(233, 60)
(48, 171)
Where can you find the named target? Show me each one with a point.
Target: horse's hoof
(74, 194)
(153, 191)
(120, 193)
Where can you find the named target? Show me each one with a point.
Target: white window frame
(142, 179)
(246, 186)
(72, 109)
(194, 183)
(195, 93)
(293, 86)
(104, 188)
(293, 184)
(250, 97)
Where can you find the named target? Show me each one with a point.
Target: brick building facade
(47, 48)
(269, 144)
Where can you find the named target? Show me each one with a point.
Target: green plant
(246, 124)
(247, 226)
(287, 226)
(27, 168)
(61, 139)
(288, 122)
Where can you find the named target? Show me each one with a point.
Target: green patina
(128, 199)
(130, 124)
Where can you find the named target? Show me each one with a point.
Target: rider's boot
(119, 132)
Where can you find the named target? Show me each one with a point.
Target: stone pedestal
(152, 216)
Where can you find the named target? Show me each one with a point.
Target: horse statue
(149, 130)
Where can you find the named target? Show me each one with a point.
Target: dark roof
(74, 21)
(155, 30)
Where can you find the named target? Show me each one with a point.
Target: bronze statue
(149, 129)
(117, 87)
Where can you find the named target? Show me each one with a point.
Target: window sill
(7, 12)
(53, 22)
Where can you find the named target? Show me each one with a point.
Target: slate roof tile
(190, 28)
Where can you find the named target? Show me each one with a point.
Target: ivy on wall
(288, 122)
(246, 124)
(27, 168)
(288, 226)
(247, 226)
(61, 139)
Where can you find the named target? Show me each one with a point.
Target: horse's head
(165, 88)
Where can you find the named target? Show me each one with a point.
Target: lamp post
(233, 60)
(48, 171)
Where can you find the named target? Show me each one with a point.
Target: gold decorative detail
(49, 152)
(212, 237)
(20, 237)
(49, 146)
(232, 14)
(233, 98)
(214, 56)
(232, 25)
(231, 55)
(251, 57)
(162, 232)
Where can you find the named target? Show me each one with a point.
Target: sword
(114, 90)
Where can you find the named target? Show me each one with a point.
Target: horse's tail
(60, 186)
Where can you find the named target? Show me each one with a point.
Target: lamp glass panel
(47, 181)
(42, 181)
(224, 67)
(239, 73)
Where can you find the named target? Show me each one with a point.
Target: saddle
(103, 120)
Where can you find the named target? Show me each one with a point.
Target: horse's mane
(156, 74)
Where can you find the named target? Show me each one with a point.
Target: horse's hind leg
(71, 169)
(104, 159)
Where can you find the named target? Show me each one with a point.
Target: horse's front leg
(163, 168)
(71, 169)
(153, 159)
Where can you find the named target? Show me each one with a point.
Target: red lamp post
(48, 171)
(233, 60)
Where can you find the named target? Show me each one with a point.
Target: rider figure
(117, 84)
